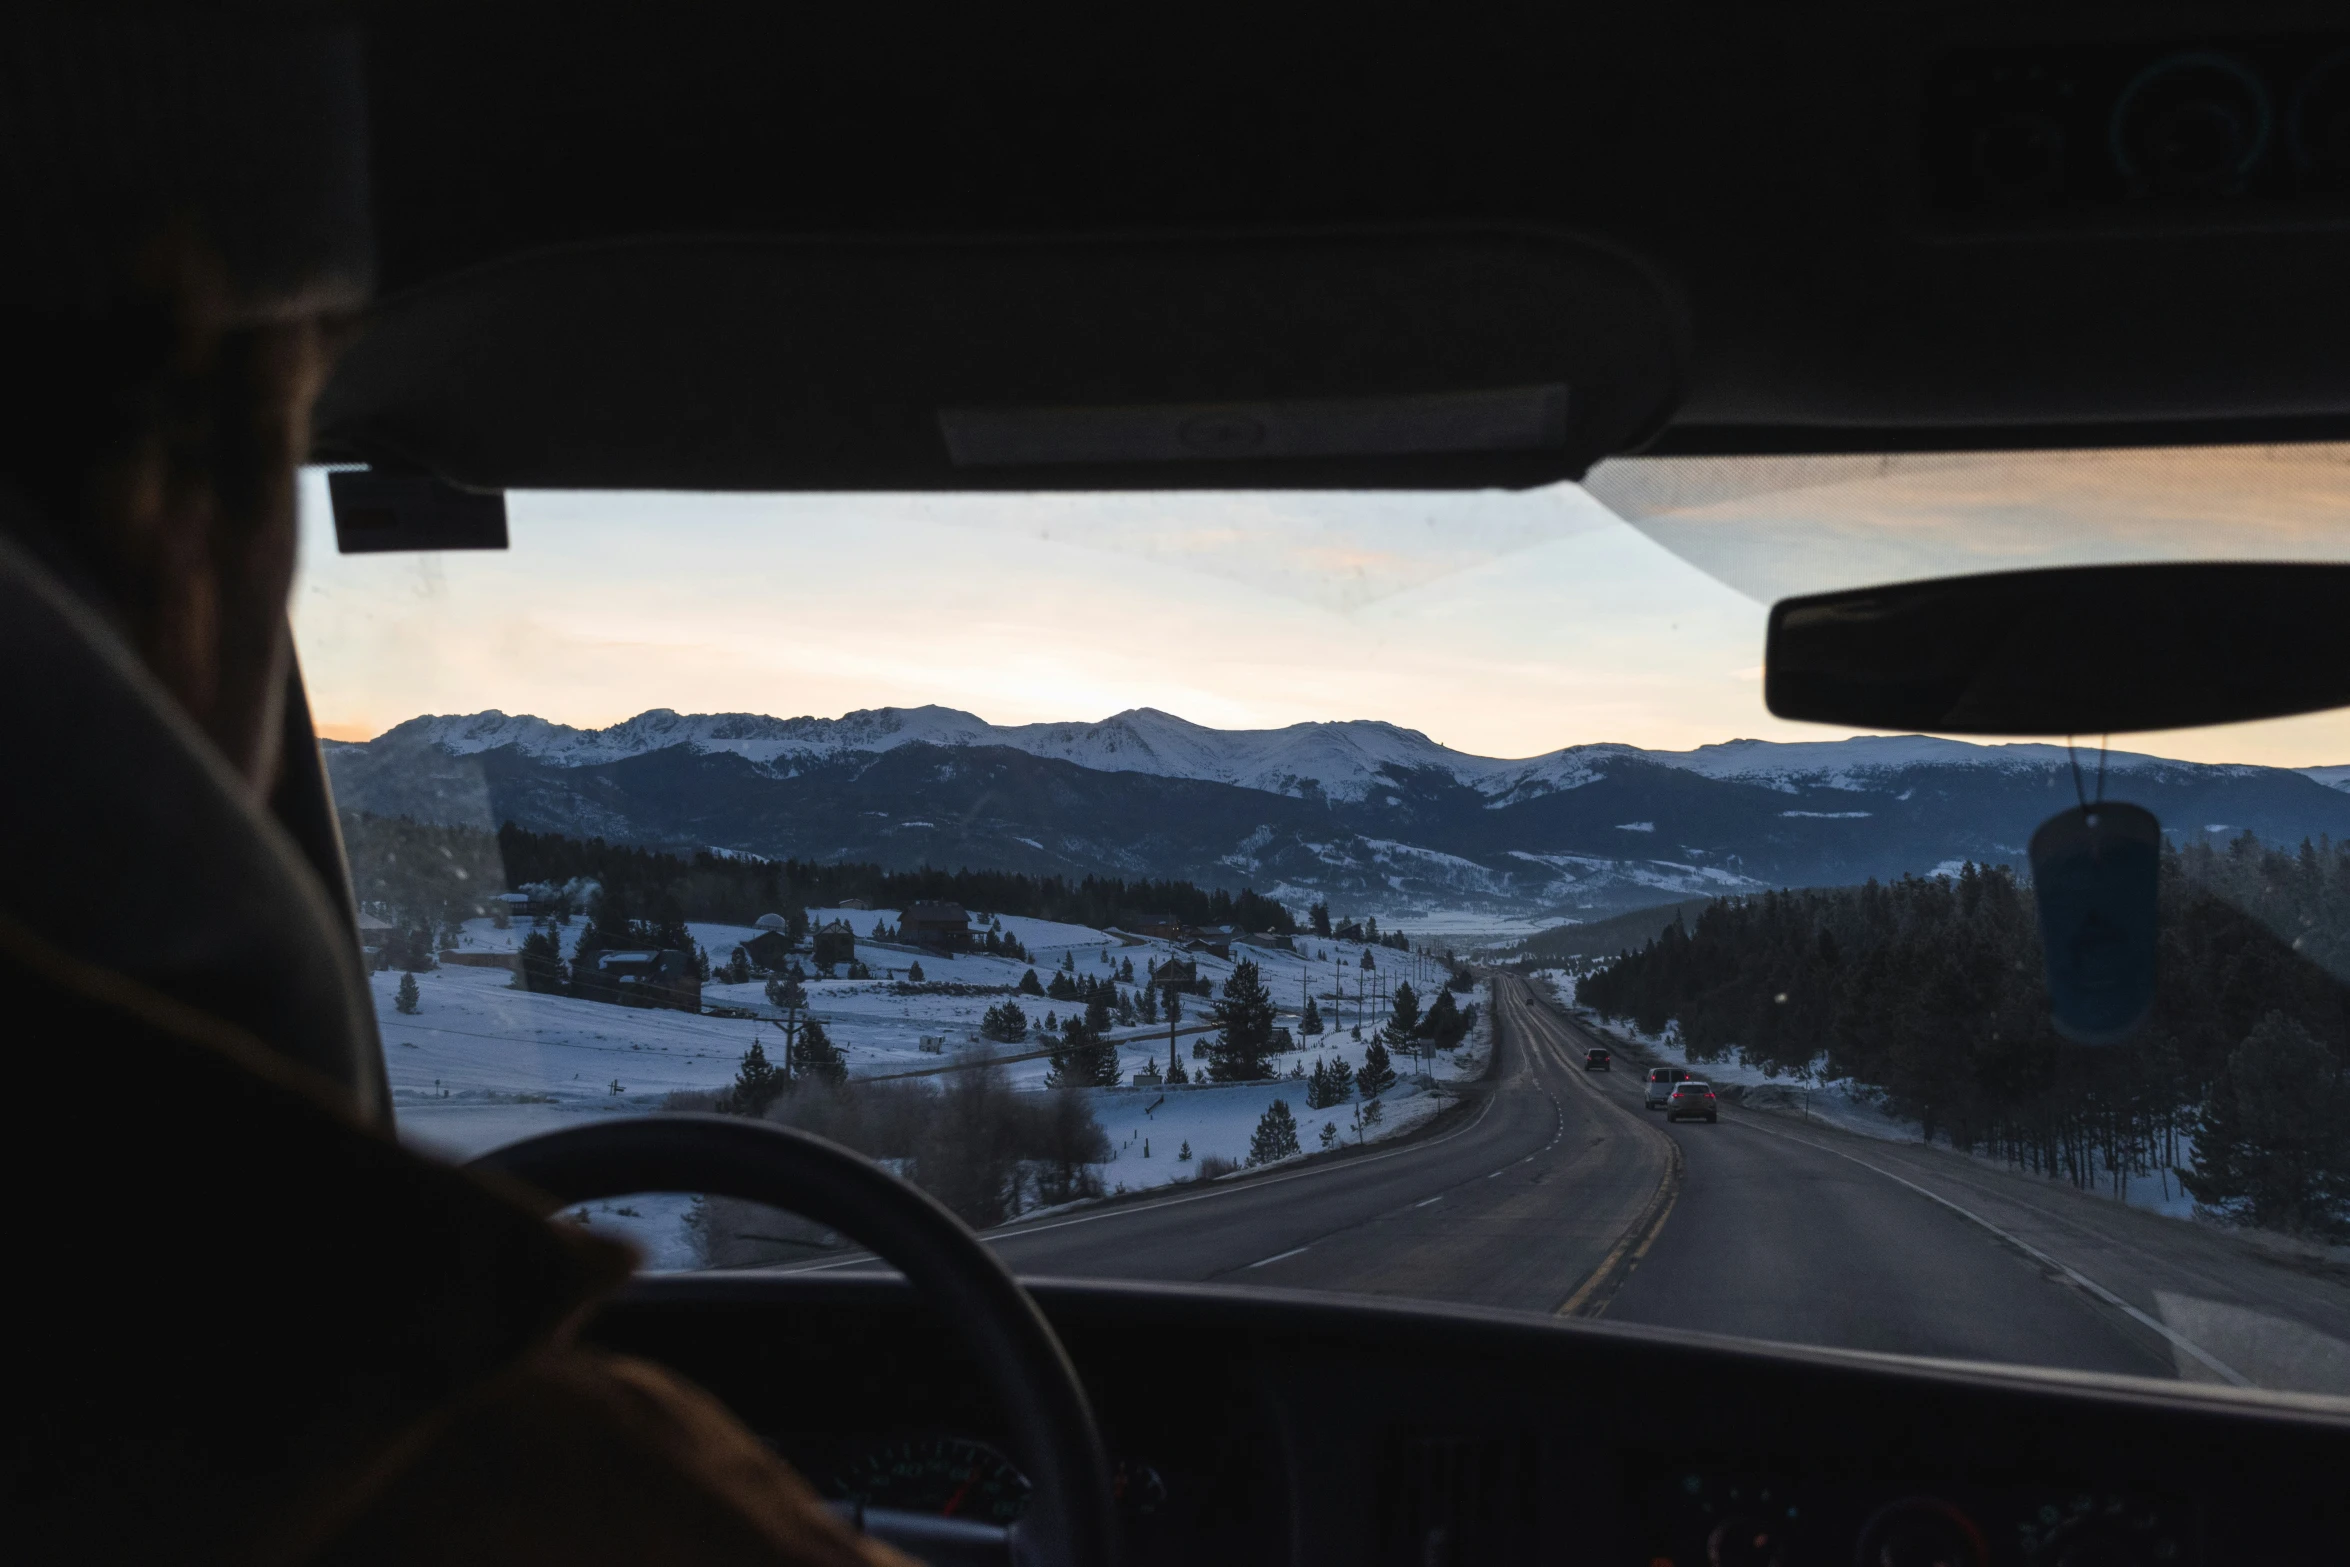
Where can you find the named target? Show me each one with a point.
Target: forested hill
(428, 876)
(1931, 989)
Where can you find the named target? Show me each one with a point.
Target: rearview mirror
(2073, 650)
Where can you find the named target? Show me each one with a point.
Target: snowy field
(481, 1064)
(1851, 1106)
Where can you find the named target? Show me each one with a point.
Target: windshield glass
(1228, 887)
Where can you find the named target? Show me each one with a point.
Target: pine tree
(1245, 1017)
(814, 1055)
(1311, 1023)
(1275, 1136)
(1378, 1073)
(1329, 1135)
(1029, 985)
(2270, 1140)
(406, 1000)
(1184, 1157)
(757, 1082)
(914, 973)
(1004, 1023)
(540, 966)
(1175, 1072)
(1319, 915)
(1445, 1023)
(1405, 1020)
(1342, 1081)
(1150, 1003)
(1319, 1095)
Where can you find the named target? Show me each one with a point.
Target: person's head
(183, 235)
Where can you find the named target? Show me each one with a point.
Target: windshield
(1228, 888)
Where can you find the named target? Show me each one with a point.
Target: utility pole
(1174, 1015)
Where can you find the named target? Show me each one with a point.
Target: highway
(1551, 1189)
(1515, 1202)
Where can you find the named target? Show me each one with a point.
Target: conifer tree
(1445, 1023)
(406, 1000)
(1150, 1003)
(914, 973)
(1275, 1136)
(1184, 1157)
(1004, 1023)
(814, 1055)
(1329, 1135)
(757, 1082)
(1245, 1018)
(1311, 1023)
(1378, 1073)
(1319, 915)
(1319, 1095)
(1029, 986)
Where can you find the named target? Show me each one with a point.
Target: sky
(1499, 623)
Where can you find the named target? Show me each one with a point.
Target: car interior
(1414, 247)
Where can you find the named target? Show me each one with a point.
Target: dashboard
(1261, 1427)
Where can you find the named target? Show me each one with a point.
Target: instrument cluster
(1712, 1516)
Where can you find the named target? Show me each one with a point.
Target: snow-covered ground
(1849, 1105)
(481, 1064)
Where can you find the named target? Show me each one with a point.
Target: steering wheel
(1072, 1521)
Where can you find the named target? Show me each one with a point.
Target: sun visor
(1329, 361)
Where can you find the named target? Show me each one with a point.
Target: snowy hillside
(479, 1064)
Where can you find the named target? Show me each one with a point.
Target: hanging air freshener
(2093, 874)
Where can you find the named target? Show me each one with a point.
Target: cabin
(939, 927)
(642, 978)
(768, 951)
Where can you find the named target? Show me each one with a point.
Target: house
(372, 934)
(940, 927)
(768, 950)
(1158, 927)
(1176, 974)
(1214, 940)
(862, 904)
(521, 905)
(651, 979)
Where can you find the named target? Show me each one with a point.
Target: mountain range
(1374, 817)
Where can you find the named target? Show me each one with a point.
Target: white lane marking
(1431, 1202)
(1277, 1256)
(2180, 1341)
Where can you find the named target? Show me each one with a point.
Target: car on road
(1596, 1060)
(1691, 1098)
(1660, 1084)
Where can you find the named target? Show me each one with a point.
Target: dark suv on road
(1595, 1060)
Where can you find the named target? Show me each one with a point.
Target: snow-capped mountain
(1344, 761)
(1376, 815)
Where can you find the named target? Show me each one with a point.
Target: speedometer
(946, 1475)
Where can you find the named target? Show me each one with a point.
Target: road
(1551, 1189)
(1515, 1203)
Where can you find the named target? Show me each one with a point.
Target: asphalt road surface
(1514, 1200)
(1551, 1189)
